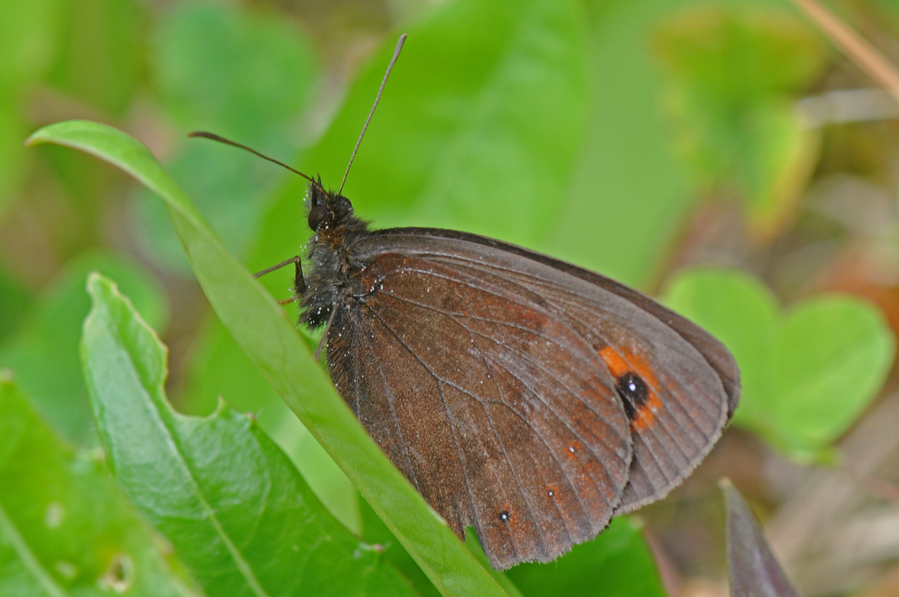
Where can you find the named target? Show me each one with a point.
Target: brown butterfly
(521, 395)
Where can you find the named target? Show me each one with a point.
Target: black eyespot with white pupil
(633, 392)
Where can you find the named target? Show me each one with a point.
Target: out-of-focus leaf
(228, 499)
(64, 527)
(240, 72)
(753, 569)
(27, 45)
(12, 129)
(259, 326)
(14, 302)
(487, 145)
(619, 559)
(628, 193)
(733, 76)
(43, 353)
(229, 184)
(807, 373)
(250, 78)
(100, 56)
(830, 358)
(27, 40)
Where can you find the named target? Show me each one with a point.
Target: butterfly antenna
(396, 54)
(214, 137)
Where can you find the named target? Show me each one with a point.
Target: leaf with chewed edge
(225, 495)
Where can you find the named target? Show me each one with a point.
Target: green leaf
(809, 372)
(260, 327)
(100, 57)
(830, 358)
(619, 556)
(44, 351)
(64, 527)
(250, 76)
(228, 499)
(487, 146)
(733, 76)
(220, 368)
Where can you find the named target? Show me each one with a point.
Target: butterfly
(521, 395)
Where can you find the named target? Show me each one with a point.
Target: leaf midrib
(27, 556)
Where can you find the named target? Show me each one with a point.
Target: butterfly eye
(318, 214)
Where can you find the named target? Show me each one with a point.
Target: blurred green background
(638, 139)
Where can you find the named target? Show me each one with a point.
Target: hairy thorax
(335, 273)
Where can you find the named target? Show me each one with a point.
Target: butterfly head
(327, 209)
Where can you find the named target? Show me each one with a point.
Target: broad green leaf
(228, 499)
(619, 559)
(752, 568)
(43, 353)
(260, 327)
(64, 527)
(809, 372)
(830, 358)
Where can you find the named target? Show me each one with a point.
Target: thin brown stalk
(857, 49)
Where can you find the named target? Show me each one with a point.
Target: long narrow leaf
(261, 328)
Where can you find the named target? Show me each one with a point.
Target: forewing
(495, 408)
(690, 382)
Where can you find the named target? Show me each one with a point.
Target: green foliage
(221, 491)
(619, 557)
(65, 529)
(808, 372)
(587, 130)
(732, 73)
(250, 79)
(43, 352)
(270, 341)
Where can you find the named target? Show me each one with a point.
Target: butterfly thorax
(334, 272)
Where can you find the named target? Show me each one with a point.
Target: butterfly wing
(493, 378)
(684, 418)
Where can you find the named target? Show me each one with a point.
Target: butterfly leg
(299, 280)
